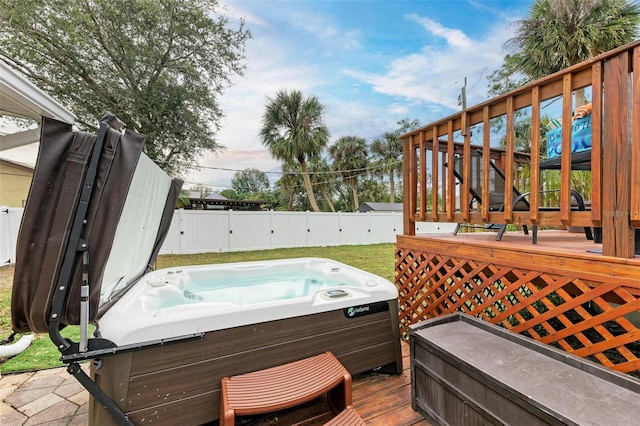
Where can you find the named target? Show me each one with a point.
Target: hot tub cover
(128, 215)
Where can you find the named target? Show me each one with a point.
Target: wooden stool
(285, 386)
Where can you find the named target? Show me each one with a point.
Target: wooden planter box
(469, 372)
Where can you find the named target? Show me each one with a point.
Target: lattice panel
(593, 320)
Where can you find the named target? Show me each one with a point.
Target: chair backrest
(497, 183)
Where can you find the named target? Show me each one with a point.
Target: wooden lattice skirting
(586, 307)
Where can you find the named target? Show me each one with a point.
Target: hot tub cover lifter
(97, 213)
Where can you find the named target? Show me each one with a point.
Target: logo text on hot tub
(358, 310)
(368, 309)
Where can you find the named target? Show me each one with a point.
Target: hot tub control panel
(336, 293)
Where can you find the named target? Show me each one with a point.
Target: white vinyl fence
(201, 231)
(10, 218)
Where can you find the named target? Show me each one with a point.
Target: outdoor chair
(497, 182)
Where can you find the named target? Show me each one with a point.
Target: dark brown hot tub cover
(55, 191)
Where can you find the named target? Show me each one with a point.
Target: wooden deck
(562, 291)
(557, 241)
(380, 399)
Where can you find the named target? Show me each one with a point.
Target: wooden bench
(288, 385)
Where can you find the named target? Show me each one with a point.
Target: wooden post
(466, 175)
(451, 199)
(422, 161)
(596, 144)
(508, 165)
(486, 163)
(635, 142)
(409, 187)
(534, 180)
(565, 159)
(434, 174)
(617, 234)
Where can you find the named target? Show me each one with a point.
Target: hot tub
(166, 338)
(179, 301)
(245, 317)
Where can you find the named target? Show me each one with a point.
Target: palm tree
(561, 33)
(349, 154)
(294, 132)
(323, 180)
(387, 151)
(289, 183)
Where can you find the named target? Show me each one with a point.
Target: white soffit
(21, 98)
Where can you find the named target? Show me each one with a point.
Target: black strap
(9, 339)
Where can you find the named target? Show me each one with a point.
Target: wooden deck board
(558, 241)
(380, 399)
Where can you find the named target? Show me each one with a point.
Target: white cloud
(454, 37)
(426, 81)
(232, 11)
(436, 73)
(324, 29)
(269, 69)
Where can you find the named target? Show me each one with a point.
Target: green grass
(378, 259)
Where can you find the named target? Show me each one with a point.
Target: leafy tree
(387, 152)
(289, 185)
(561, 33)
(183, 199)
(349, 154)
(407, 124)
(373, 190)
(250, 181)
(230, 194)
(323, 181)
(506, 78)
(204, 190)
(294, 131)
(158, 65)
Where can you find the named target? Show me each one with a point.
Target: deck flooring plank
(402, 416)
(381, 404)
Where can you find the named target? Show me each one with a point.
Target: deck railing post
(409, 189)
(617, 234)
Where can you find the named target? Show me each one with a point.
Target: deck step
(348, 417)
(286, 386)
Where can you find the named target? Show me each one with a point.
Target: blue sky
(370, 62)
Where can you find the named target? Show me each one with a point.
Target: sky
(371, 63)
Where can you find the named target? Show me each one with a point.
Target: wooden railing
(430, 190)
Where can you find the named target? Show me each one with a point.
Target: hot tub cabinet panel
(468, 372)
(179, 383)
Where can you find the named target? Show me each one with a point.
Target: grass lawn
(378, 259)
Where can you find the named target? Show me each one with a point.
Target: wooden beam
(617, 234)
(508, 162)
(451, 199)
(434, 176)
(596, 145)
(486, 163)
(422, 157)
(535, 155)
(635, 142)
(466, 176)
(408, 175)
(565, 159)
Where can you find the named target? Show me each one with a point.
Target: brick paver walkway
(46, 397)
